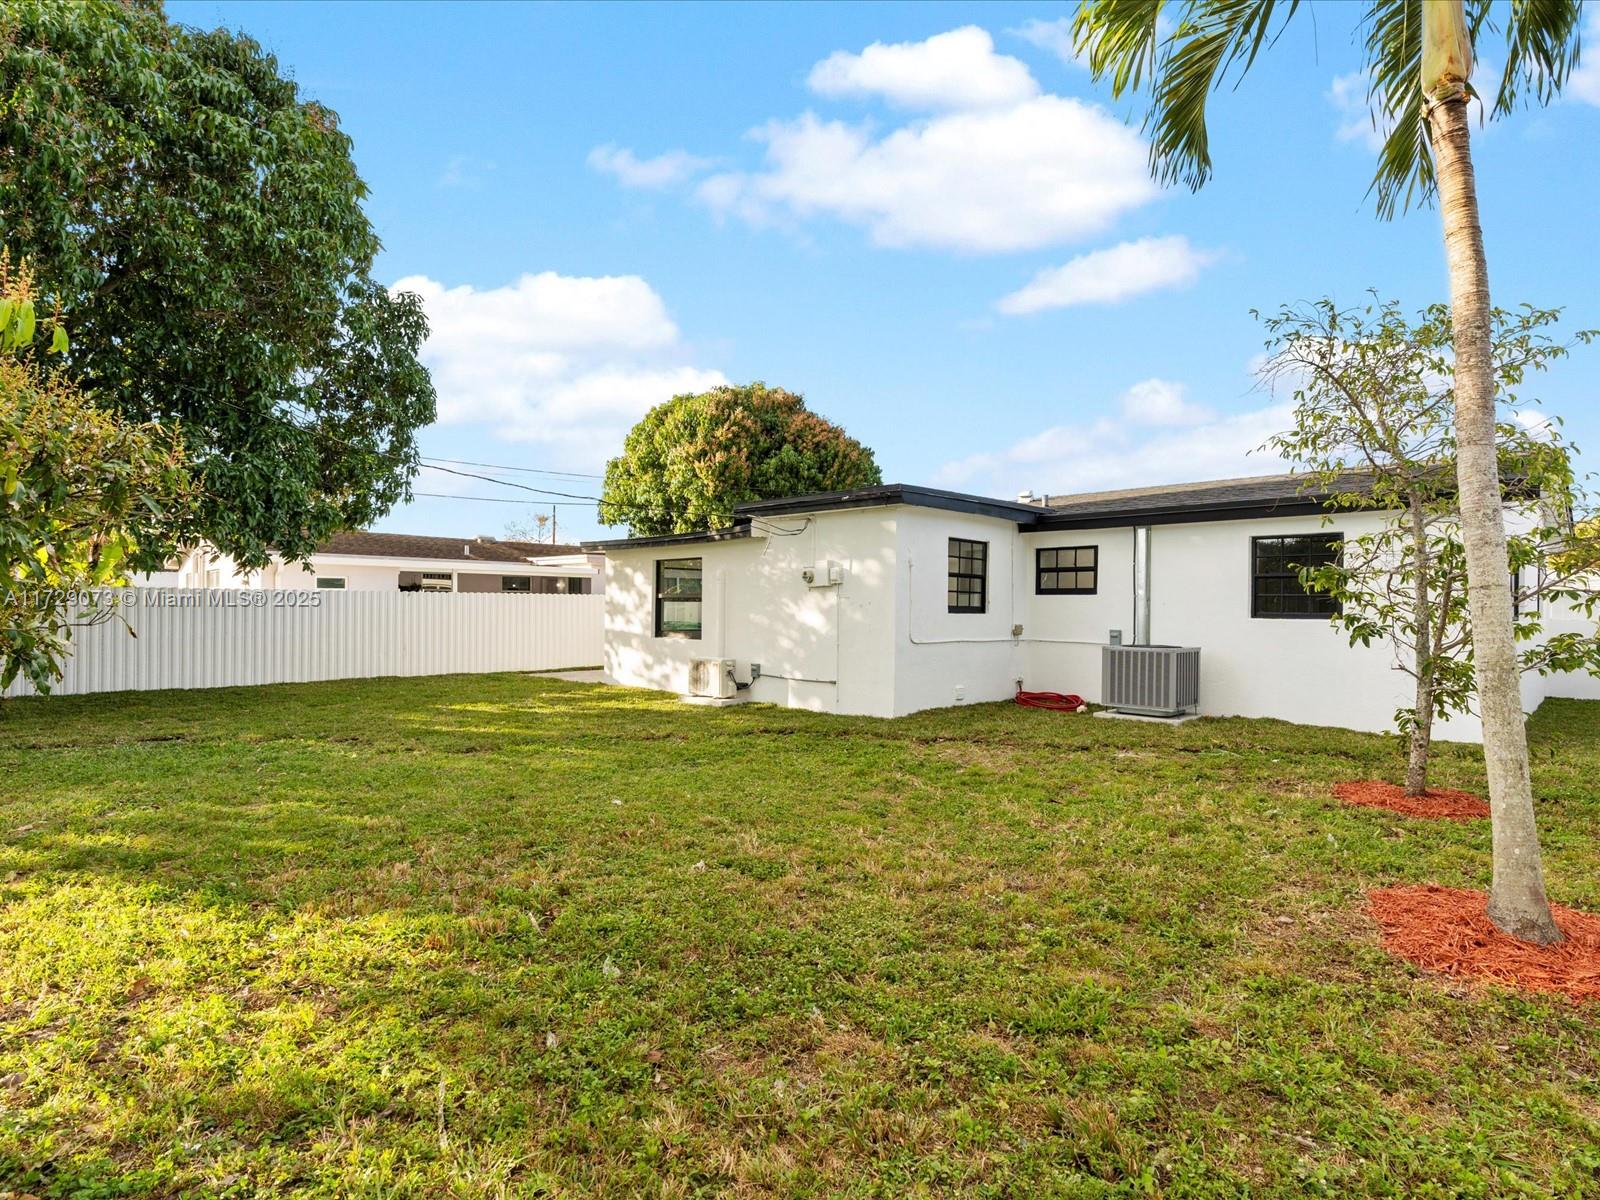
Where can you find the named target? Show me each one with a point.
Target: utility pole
(552, 524)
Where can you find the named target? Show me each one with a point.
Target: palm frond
(1542, 43)
(1212, 39)
(1394, 66)
(1118, 39)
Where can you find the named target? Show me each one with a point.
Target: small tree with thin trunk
(1374, 399)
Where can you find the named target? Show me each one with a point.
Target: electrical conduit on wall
(722, 625)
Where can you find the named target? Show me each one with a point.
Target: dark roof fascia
(732, 533)
(885, 495)
(1244, 510)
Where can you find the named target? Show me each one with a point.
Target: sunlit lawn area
(503, 935)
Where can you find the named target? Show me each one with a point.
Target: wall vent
(1152, 681)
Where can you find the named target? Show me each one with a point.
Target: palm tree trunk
(1422, 656)
(1517, 900)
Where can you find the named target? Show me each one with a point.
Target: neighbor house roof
(364, 543)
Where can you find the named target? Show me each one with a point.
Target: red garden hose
(1055, 701)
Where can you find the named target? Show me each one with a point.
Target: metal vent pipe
(1141, 585)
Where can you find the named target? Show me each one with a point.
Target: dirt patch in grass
(1448, 930)
(1437, 803)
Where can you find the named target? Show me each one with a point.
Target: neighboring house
(366, 561)
(886, 600)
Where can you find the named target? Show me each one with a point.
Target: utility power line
(464, 462)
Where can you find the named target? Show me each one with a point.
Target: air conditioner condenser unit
(712, 678)
(1155, 681)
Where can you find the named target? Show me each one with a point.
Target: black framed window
(968, 588)
(1275, 566)
(678, 597)
(1067, 571)
(516, 583)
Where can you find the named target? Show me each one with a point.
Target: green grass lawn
(502, 935)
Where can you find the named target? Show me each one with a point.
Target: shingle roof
(367, 543)
(889, 493)
(1257, 491)
(1211, 500)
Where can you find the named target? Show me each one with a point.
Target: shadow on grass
(422, 936)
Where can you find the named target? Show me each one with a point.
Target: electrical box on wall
(824, 574)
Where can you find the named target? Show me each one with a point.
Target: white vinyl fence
(201, 638)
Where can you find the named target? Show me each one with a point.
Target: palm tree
(1419, 59)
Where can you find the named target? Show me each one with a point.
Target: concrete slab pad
(1180, 719)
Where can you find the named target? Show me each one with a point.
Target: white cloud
(568, 362)
(664, 170)
(465, 171)
(955, 70)
(1348, 95)
(1044, 171)
(1157, 437)
(1054, 36)
(1161, 402)
(1111, 276)
(990, 165)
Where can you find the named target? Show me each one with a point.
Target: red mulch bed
(1443, 803)
(1448, 930)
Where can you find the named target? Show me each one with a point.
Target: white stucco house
(361, 560)
(890, 599)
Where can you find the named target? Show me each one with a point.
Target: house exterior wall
(826, 649)
(1064, 633)
(358, 577)
(883, 643)
(942, 657)
(1305, 670)
(379, 575)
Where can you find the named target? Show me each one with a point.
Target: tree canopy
(79, 488)
(690, 461)
(202, 223)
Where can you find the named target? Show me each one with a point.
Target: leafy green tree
(1373, 393)
(691, 460)
(202, 223)
(1419, 56)
(80, 488)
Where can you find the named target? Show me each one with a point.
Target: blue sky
(922, 217)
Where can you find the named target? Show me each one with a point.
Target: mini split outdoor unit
(712, 677)
(1150, 681)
